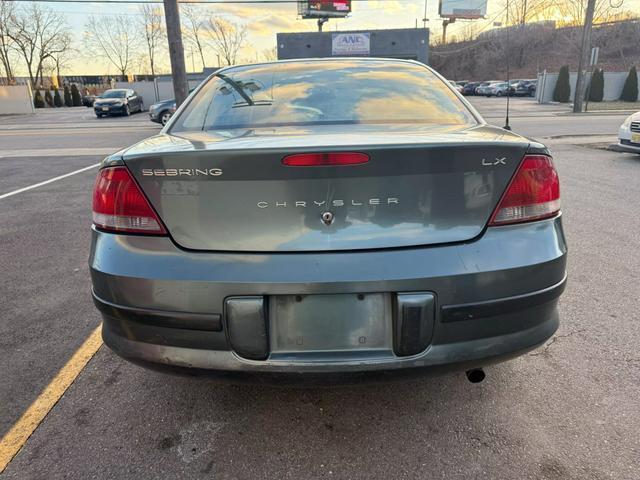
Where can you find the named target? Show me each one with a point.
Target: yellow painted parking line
(15, 438)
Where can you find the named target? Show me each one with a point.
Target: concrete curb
(597, 113)
(614, 147)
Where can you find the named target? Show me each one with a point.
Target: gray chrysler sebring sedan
(327, 216)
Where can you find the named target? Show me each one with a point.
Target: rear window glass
(322, 92)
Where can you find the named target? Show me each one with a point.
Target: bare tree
(6, 43)
(270, 54)
(227, 38)
(523, 11)
(573, 11)
(38, 34)
(153, 25)
(193, 27)
(60, 60)
(113, 39)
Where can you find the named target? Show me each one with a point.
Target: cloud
(271, 24)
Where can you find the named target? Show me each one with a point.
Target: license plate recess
(325, 326)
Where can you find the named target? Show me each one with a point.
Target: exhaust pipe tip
(475, 375)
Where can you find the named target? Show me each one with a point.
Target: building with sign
(407, 43)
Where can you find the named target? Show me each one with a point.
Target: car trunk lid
(229, 191)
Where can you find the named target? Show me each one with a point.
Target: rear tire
(99, 115)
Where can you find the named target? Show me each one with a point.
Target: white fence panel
(152, 92)
(613, 83)
(15, 99)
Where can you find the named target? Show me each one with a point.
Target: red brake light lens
(325, 159)
(120, 206)
(533, 194)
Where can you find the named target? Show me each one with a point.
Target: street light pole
(176, 51)
(585, 49)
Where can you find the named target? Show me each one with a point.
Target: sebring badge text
(181, 172)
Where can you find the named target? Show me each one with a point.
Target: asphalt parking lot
(570, 410)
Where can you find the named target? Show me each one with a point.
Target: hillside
(535, 47)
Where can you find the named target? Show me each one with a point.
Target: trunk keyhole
(327, 218)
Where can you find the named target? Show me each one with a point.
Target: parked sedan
(525, 88)
(327, 216)
(456, 86)
(470, 88)
(629, 133)
(118, 102)
(485, 88)
(87, 100)
(498, 89)
(161, 111)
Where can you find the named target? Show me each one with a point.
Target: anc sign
(350, 44)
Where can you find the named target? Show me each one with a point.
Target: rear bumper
(496, 297)
(137, 344)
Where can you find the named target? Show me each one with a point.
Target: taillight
(120, 206)
(533, 194)
(325, 159)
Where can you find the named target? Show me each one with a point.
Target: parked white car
(485, 88)
(498, 89)
(629, 133)
(456, 86)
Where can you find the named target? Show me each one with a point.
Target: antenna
(506, 120)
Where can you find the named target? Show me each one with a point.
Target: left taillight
(120, 206)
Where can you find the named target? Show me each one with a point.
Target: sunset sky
(264, 21)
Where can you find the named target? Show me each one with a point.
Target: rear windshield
(322, 92)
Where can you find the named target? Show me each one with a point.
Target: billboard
(350, 44)
(324, 8)
(468, 9)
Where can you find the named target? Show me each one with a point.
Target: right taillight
(120, 206)
(533, 194)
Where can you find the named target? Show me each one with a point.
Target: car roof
(328, 59)
(390, 61)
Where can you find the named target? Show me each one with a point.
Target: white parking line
(51, 180)
(59, 152)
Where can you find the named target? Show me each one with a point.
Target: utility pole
(585, 49)
(424, 19)
(446, 23)
(176, 51)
